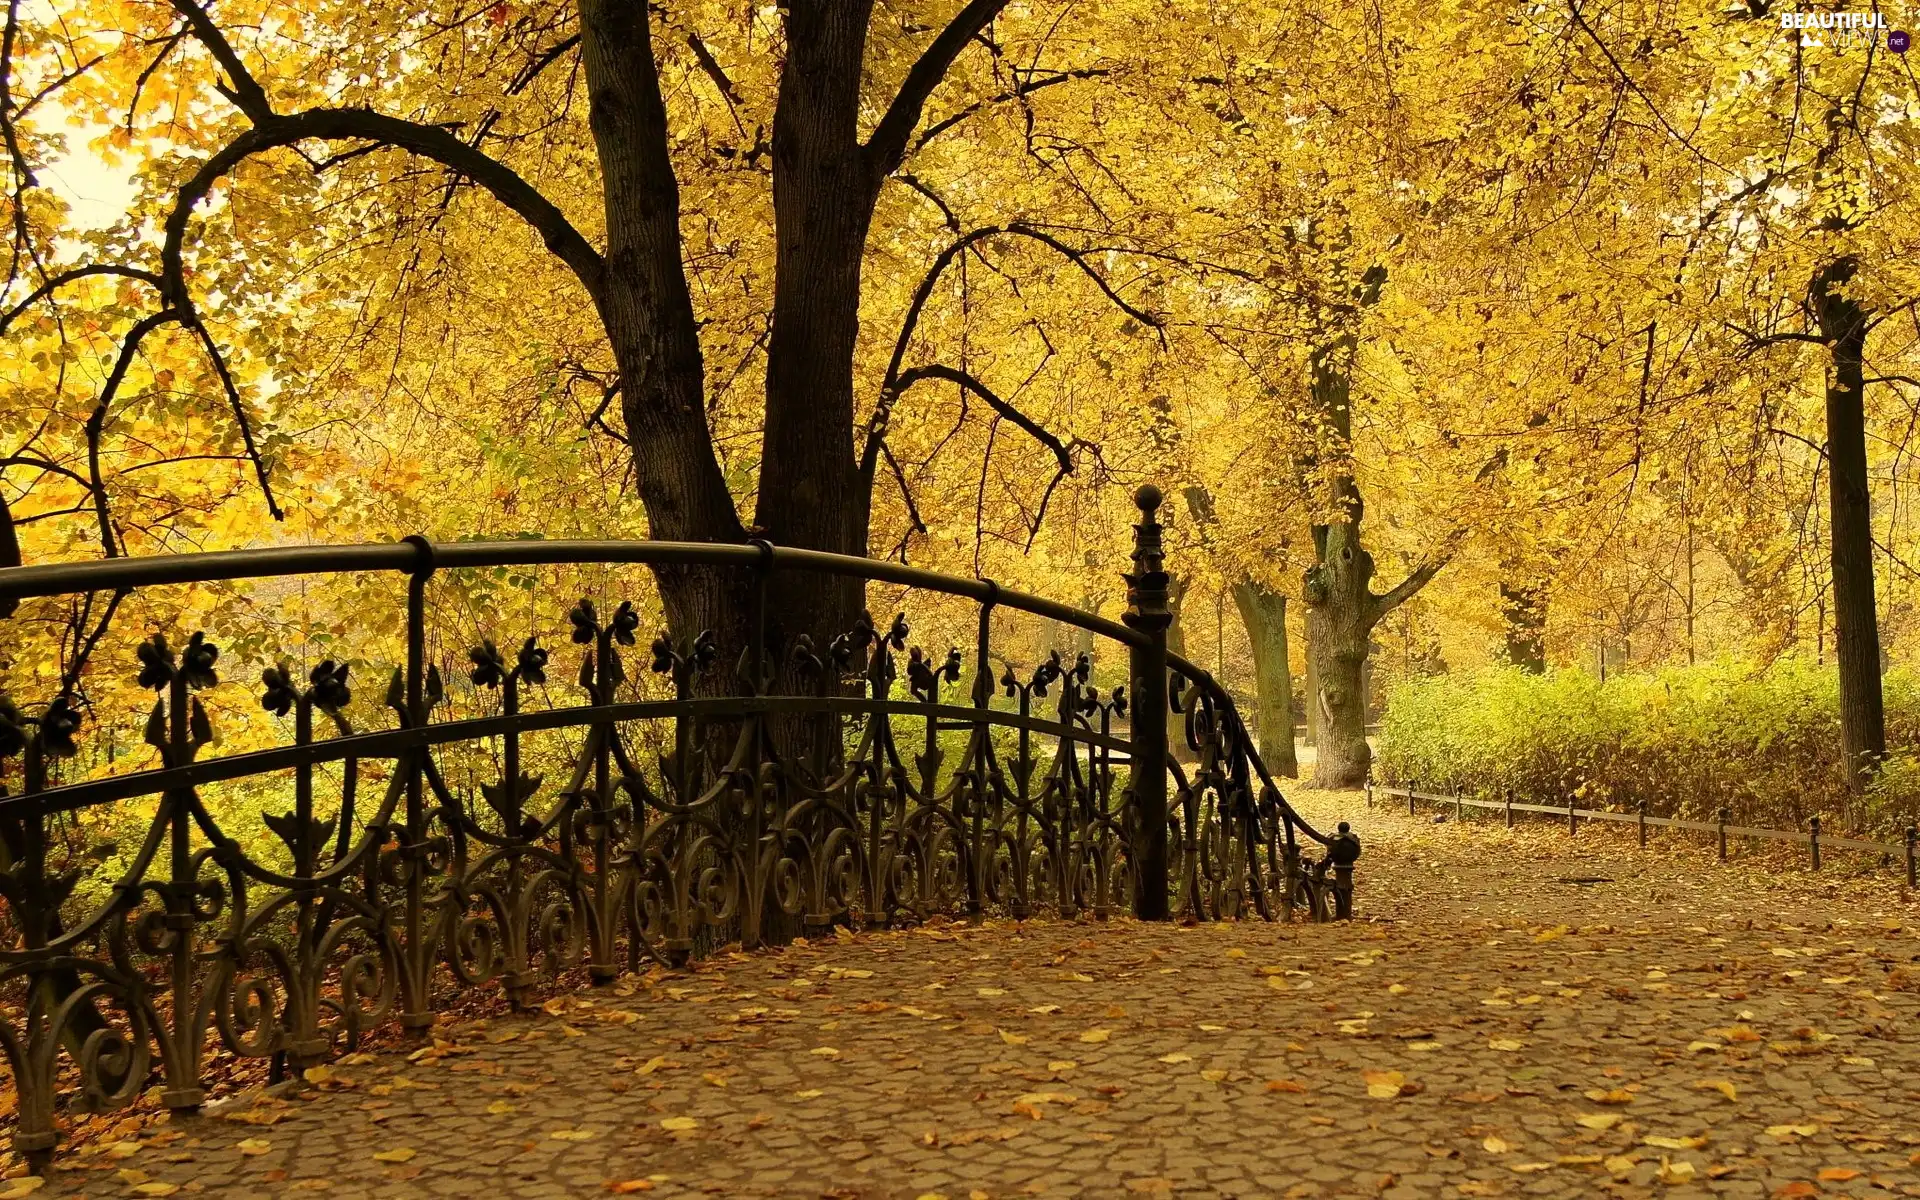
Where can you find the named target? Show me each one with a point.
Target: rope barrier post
(1147, 613)
(1573, 822)
(1723, 815)
(1413, 785)
(1459, 804)
(1813, 840)
(1509, 808)
(1643, 824)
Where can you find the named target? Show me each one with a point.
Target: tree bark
(1843, 324)
(1264, 613)
(1525, 609)
(1342, 608)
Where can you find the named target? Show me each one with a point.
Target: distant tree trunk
(1525, 609)
(1856, 632)
(1176, 632)
(1264, 613)
(1342, 608)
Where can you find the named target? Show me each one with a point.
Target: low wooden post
(1723, 832)
(1459, 804)
(1643, 824)
(1573, 821)
(1509, 808)
(1913, 838)
(1813, 840)
(1413, 785)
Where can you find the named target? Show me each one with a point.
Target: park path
(1489, 1028)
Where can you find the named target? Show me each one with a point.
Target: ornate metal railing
(369, 905)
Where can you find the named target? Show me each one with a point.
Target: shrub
(1763, 741)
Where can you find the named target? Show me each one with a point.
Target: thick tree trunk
(1342, 608)
(1264, 613)
(1525, 610)
(1843, 323)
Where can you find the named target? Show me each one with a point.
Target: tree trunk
(1525, 609)
(1264, 613)
(1342, 608)
(1843, 323)
(1309, 691)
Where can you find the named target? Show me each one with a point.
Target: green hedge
(1762, 741)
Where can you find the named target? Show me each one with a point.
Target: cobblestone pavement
(1510, 1018)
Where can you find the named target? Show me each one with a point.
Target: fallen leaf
(824, 1052)
(1062, 1064)
(682, 1124)
(1600, 1120)
(1696, 1142)
(253, 1146)
(1013, 1039)
(1494, 1144)
(1787, 1131)
(1285, 1085)
(627, 1187)
(1213, 1076)
(1837, 1174)
(1096, 1035)
(1723, 1086)
(397, 1155)
(1615, 1096)
(1675, 1172)
(1176, 1058)
(1506, 1044)
(500, 1108)
(809, 1094)
(587, 1135)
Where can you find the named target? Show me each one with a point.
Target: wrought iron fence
(386, 887)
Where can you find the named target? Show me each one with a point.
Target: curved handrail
(1221, 698)
(417, 555)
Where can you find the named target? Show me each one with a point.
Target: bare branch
(241, 87)
(239, 415)
(888, 143)
(1404, 591)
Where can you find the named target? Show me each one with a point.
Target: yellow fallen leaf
(1398, 989)
(126, 1149)
(1176, 1058)
(500, 1108)
(1676, 1172)
(1030, 1111)
(253, 1146)
(1548, 935)
(1236, 954)
(809, 1094)
(1837, 1174)
(658, 1062)
(989, 992)
(1062, 1064)
(1600, 1120)
(26, 1185)
(1724, 1086)
(1741, 1033)
(1278, 983)
(824, 1052)
(1383, 1085)
(1702, 1047)
(1013, 1039)
(319, 1074)
(1786, 1131)
(1495, 1144)
(1614, 1096)
(1696, 1142)
(586, 1135)
(1506, 1044)
(131, 1176)
(679, 1124)
(1213, 1076)
(1096, 1035)
(1620, 1164)
(397, 1155)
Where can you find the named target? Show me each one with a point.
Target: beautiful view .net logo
(1845, 29)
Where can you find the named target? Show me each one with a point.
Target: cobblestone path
(1510, 1018)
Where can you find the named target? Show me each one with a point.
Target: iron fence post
(1147, 613)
